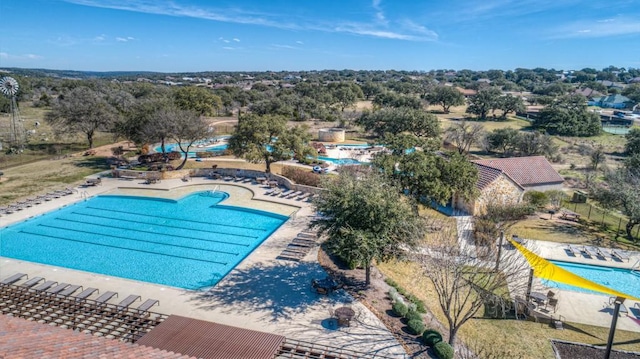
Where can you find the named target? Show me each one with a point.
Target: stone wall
(500, 191)
(331, 135)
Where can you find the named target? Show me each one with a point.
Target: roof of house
(20, 338)
(487, 175)
(588, 92)
(525, 171)
(617, 98)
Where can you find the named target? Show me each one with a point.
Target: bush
(416, 326)
(400, 308)
(413, 315)
(536, 198)
(443, 350)
(301, 176)
(431, 337)
(412, 298)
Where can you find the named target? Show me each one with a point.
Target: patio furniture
(539, 298)
(86, 293)
(552, 302)
(14, 278)
(70, 290)
(31, 282)
(148, 304)
(619, 255)
(46, 285)
(106, 297)
(623, 308)
(344, 316)
(58, 288)
(126, 302)
(570, 250)
(325, 286)
(586, 252)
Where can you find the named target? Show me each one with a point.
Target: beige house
(505, 180)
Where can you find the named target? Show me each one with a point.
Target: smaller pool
(623, 280)
(340, 161)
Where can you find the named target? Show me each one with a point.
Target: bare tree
(188, 128)
(464, 134)
(464, 284)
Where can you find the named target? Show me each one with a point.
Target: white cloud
(236, 39)
(228, 48)
(594, 28)
(284, 46)
(226, 41)
(380, 26)
(100, 38)
(299, 42)
(7, 56)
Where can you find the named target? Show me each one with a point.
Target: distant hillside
(77, 74)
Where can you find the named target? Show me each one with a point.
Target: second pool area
(190, 243)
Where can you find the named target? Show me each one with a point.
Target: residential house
(505, 180)
(611, 101)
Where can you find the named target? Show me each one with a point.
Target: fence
(608, 220)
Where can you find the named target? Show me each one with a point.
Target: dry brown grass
(529, 339)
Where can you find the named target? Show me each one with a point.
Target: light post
(612, 331)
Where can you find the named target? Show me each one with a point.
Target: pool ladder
(84, 194)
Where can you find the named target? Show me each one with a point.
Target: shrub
(416, 326)
(431, 337)
(399, 308)
(301, 176)
(413, 315)
(443, 350)
(536, 198)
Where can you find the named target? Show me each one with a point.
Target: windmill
(16, 137)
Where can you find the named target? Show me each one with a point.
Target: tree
(597, 157)
(345, 94)
(463, 135)
(632, 92)
(632, 147)
(367, 219)
(268, 139)
(160, 127)
(398, 120)
(187, 127)
(464, 284)
(132, 125)
(509, 104)
(568, 116)
(621, 190)
(487, 99)
(502, 139)
(445, 96)
(82, 110)
(197, 99)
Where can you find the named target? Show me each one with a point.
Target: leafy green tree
(632, 147)
(536, 143)
(392, 99)
(367, 219)
(445, 96)
(131, 126)
(159, 127)
(198, 99)
(427, 176)
(568, 116)
(82, 110)
(398, 120)
(510, 104)
(187, 128)
(597, 157)
(487, 99)
(345, 94)
(621, 192)
(268, 139)
(371, 89)
(632, 92)
(504, 140)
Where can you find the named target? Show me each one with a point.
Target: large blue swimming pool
(623, 280)
(190, 243)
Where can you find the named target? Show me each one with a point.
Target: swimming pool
(622, 280)
(190, 243)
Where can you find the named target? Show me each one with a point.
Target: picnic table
(261, 179)
(569, 215)
(344, 316)
(273, 183)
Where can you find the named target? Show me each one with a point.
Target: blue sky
(257, 35)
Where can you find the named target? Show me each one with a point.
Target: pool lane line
(133, 239)
(172, 218)
(143, 231)
(125, 248)
(151, 224)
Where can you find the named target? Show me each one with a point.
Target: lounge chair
(31, 282)
(70, 290)
(148, 304)
(86, 293)
(619, 255)
(46, 285)
(294, 194)
(584, 250)
(105, 297)
(623, 308)
(598, 253)
(58, 288)
(276, 192)
(552, 302)
(126, 302)
(570, 250)
(285, 193)
(14, 278)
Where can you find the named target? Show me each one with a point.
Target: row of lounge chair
(289, 194)
(30, 202)
(68, 290)
(597, 252)
(299, 247)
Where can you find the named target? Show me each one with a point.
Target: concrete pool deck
(586, 308)
(261, 293)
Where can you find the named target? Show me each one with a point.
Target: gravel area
(567, 350)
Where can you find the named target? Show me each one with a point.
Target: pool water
(190, 243)
(622, 280)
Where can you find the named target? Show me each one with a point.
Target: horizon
(371, 35)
